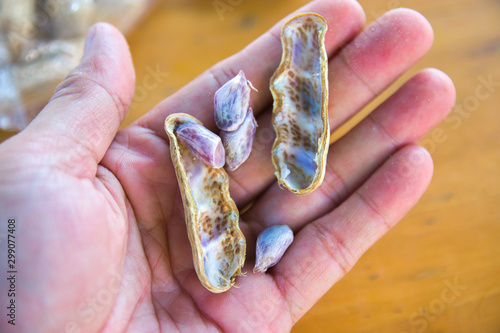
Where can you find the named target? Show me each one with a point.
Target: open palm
(100, 225)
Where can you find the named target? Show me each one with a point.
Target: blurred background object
(41, 41)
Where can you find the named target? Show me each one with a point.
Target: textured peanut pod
(231, 102)
(68, 18)
(271, 245)
(238, 144)
(300, 112)
(205, 145)
(217, 243)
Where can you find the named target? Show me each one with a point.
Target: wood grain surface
(438, 270)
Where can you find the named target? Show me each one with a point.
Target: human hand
(100, 226)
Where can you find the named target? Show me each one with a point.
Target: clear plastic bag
(41, 41)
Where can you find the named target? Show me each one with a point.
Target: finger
(363, 69)
(83, 116)
(325, 250)
(258, 60)
(405, 117)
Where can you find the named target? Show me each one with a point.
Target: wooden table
(452, 236)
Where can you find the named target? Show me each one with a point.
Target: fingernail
(90, 38)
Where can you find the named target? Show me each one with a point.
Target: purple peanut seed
(271, 245)
(238, 144)
(204, 144)
(231, 102)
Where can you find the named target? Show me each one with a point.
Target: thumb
(80, 121)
